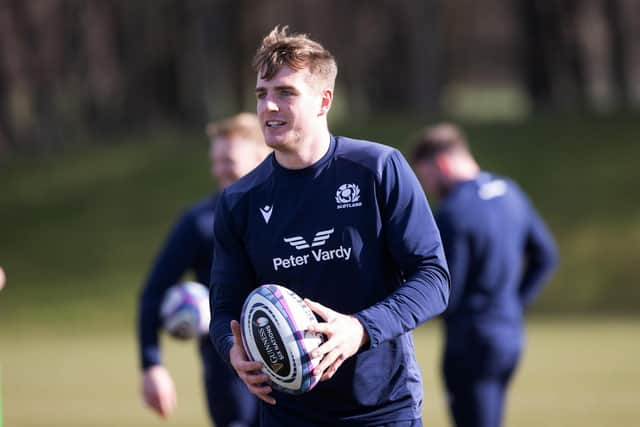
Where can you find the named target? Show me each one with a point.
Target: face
(291, 109)
(232, 158)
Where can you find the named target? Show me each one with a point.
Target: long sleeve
(541, 259)
(232, 277)
(457, 249)
(415, 246)
(174, 259)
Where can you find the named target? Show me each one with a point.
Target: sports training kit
(353, 232)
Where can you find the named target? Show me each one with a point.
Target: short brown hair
(433, 140)
(244, 125)
(296, 51)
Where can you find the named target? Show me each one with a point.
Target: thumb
(235, 330)
(237, 337)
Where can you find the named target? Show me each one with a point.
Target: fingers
(167, 403)
(164, 405)
(335, 355)
(262, 392)
(237, 355)
(324, 312)
(158, 391)
(331, 370)
(266, 398)
(323, 328)
(325, 348)
(256, 381)
(330, 364)
(246, 366)
(152, 401)
(345, 337)
(248, 371)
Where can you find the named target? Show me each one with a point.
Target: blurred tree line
(96, 66)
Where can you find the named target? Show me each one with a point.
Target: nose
(271, 106)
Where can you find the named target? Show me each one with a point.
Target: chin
(276, 143)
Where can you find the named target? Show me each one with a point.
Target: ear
(443, 164)
(327, 99)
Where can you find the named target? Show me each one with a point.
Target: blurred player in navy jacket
(500, 254)
(237, 146)
(368, 251)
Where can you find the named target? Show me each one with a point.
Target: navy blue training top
(354, 232)
(189, 247)
(499, 250)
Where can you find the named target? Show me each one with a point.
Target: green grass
(580, 372)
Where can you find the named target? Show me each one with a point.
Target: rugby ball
(274, 320)
(185, 310)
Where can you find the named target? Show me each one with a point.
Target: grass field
(576, 372)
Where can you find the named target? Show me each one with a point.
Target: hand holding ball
(274, 324)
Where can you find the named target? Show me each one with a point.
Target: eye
(260, 95)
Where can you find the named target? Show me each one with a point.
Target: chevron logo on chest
(319, 239)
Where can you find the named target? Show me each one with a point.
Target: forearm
(421, 298)
(176, 257)
(541, 261)
(220, 334)
(534, 279)
(148, 339)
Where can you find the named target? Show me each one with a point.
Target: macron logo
(319, 239)
(266, 212)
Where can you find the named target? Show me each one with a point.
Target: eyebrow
(284, 87)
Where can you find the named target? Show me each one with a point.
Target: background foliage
(73, 68)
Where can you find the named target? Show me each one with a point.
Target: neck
(306, 153)
(463, 169)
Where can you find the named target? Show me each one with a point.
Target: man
(237, 146)
(500, 254)
(334, 193)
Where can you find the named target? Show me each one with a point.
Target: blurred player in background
(237, 146)
(500, 254)
(387, 273)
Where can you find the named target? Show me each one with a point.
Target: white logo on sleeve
(266, 212)
(348, 196)
(492, 189)
(315, 255)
